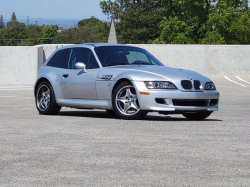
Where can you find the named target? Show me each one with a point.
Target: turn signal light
(144, 93)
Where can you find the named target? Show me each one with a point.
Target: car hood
(169, 73)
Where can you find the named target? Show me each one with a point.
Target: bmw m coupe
(124, 80)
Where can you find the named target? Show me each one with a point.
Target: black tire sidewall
(53, 108)
(140, 114)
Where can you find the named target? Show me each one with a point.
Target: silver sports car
(123, 80)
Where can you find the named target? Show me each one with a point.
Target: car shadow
(172, 118)
(105, 115)
(88, 114)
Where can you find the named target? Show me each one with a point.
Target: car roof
(102, 44)
(91, 45)
(94, 45)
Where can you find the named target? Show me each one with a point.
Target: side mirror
(82, 66)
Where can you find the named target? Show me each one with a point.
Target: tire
(125, 102)
(111, 112)
(45, 100)
(197, 115)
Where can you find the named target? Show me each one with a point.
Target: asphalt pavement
(92, 148)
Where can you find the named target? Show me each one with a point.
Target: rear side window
(60, 59)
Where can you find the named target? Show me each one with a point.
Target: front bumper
(171, 100)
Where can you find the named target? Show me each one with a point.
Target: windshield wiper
(142, 63)
(117, 64)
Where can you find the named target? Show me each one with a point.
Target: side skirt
(84, 103)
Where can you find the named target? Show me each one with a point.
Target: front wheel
(125, 102)
(197, 115)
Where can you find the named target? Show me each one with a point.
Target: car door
(76, 84)
(55, 67)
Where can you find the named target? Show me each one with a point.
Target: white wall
(48, 49)
(205, 59)
(19, 65)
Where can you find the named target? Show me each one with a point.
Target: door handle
(65, 76)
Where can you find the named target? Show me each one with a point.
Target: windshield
(125, 55)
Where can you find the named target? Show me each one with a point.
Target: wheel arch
(119, 82)
(138, 114)
(42, 79)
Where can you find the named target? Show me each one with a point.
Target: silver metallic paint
(79, 85)
(89, 90)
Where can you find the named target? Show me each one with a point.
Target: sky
(52, 9)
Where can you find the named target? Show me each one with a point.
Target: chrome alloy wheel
(43, 98)
(126, 101)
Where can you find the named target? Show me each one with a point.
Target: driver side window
(82, 55)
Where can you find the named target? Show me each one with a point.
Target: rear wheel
(125, 102)
(45, 100)
(197, 115)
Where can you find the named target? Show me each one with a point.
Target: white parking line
(7, 96)
(242, 80)
(16, 88)
(235, 82)
(10, 106)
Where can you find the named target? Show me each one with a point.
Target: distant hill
(62, 23)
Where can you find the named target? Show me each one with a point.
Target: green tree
(49, 34)
(183, 20)
(33, 33)
(13, 19)
(15, 33)
(89, 22)
(2, 37)
(213, 37)
(89, 30)
(67, 36)
(186, 9)
(229, 22)
(113, 9)
(138, 21)
(205, 22)
(175, 31)
(238, 4)
(2, 25)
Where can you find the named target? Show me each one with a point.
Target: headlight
(210, 86)
(160, 85)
